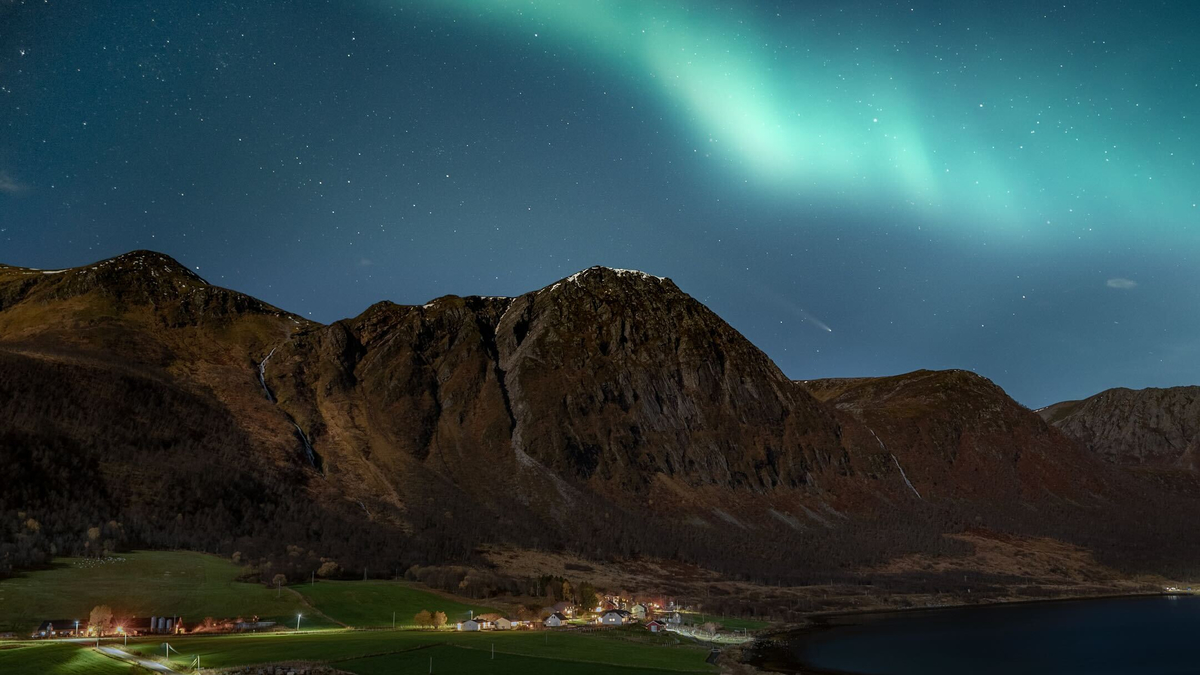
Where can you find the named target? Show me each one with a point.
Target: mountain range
(609, 414)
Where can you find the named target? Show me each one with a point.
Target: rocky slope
(610, 383)
(608, 412)
(1155, 428)
(959, 436)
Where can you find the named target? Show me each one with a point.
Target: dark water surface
(1152, 635)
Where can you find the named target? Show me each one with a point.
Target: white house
(614, 617)
(470, 625)
(505, 623)
(555, 620)
(638, 611)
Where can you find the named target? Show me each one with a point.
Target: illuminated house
(614, 617)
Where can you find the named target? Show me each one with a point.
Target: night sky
(861, 188)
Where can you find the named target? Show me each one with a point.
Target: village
(612, 611)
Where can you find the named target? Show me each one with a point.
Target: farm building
(143, 625)
(470, 625)
(555, 620)
(656, 626)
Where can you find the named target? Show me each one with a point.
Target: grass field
(55, 658)
(196, 586)
(369, 604)
(446, 659)
(369, 649)
(726, 622)
(191, 585)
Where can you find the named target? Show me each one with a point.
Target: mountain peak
(136, 278)
(149, 260)
(601, 275)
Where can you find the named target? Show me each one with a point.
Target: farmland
(192, 585)
(370, 652)
(195, 586)
(369, 604)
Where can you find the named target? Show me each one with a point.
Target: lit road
(122, 655)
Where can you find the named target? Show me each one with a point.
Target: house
(61, 628)
(656, 626)
(470, 625)
(505, 623)
(565, 608)
(614, 617)
(639, 611)
(675, 618)
(555, 620)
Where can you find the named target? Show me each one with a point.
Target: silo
(154, 624)
(170, 625)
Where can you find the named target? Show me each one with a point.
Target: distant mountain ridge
(608, 412)
(1145, 427)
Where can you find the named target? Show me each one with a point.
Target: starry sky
(861, 188)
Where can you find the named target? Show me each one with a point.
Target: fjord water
(1144, 636)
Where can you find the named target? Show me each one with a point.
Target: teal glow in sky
(861, 188)
(958, 112)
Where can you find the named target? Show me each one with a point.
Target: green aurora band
(1005, 117)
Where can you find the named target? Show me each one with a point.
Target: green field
(626, 649)
(446, 659)
(196, 586)
(727, 623)
(191, 585)
(369, 604)
(55, 658)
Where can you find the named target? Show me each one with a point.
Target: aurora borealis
(862, 188)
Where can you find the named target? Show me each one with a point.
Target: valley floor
(347, 625)
(367, 652)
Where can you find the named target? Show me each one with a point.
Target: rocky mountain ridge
(608, 412)
(1156, 428)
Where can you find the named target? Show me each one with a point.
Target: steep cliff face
(1156, 428)
(620, 376)
(608, 383)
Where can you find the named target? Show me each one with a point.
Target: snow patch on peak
(575, 278)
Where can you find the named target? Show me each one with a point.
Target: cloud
(1120, 283)
(365, 262)
(10, 185)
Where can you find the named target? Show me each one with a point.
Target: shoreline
(781, 638)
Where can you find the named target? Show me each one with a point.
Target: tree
(279, 581)
(423, 619)
(329, 568)
(100, 619)
(439, 619)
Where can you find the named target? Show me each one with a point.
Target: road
(122, 655)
